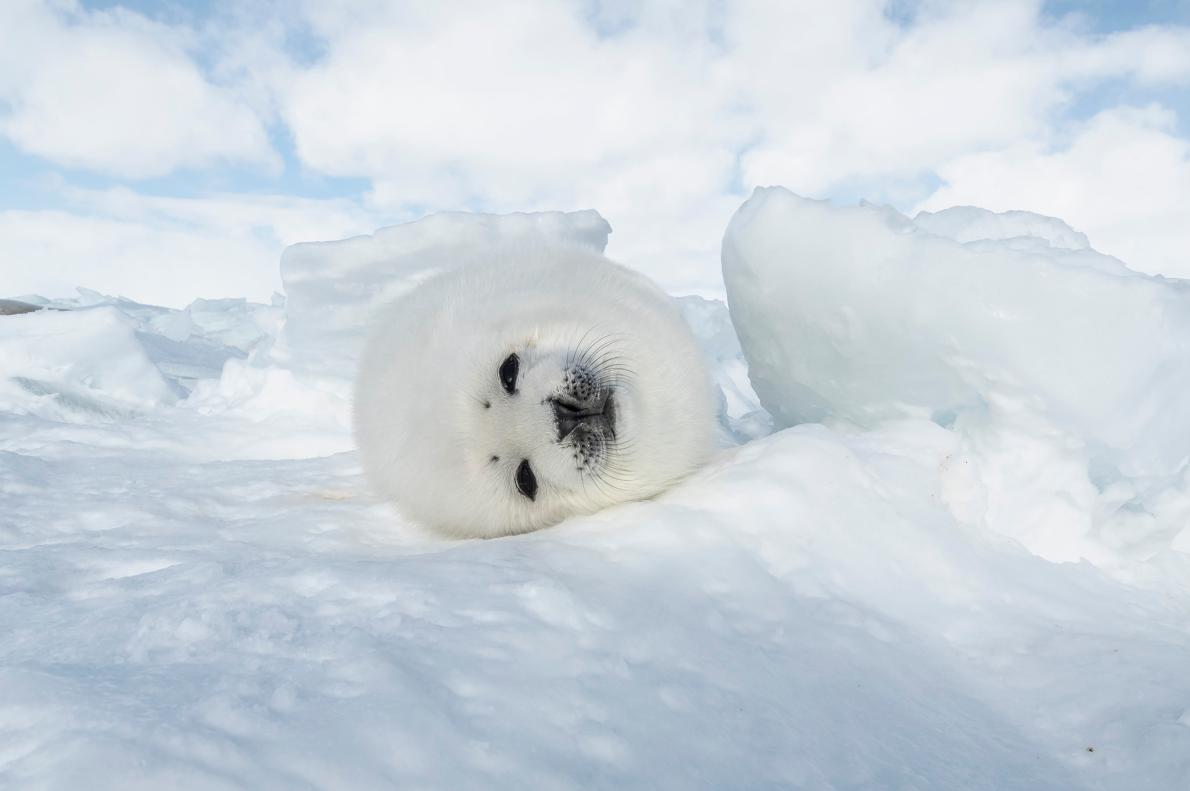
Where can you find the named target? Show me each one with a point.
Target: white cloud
(1151, 55)
(665, 117)
(528, 106)
(165, 251)
(965, 77)
(515, 101)
(662, 116)
(116, 93)
(1123, 177)
(283, 218)
(52, 252)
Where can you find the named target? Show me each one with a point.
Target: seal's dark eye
(526, 481)
(508, 372)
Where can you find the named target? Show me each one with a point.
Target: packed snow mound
(333, 288)
(1068, 381)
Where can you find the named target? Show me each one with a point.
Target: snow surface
(196, 591)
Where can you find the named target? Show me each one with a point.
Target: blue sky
(171, 150)
(1105, 16)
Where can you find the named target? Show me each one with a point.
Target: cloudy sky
(169, 150)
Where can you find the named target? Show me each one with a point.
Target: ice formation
(75, 364)
(1065, 373)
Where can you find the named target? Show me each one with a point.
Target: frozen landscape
(945, 543)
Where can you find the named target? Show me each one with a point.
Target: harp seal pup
(533, 383)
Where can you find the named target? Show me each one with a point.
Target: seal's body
(535, 383)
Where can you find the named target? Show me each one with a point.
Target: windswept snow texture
(196, 591)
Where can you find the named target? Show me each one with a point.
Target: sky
(166, 151)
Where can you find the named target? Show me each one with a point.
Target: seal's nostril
(569, 416)
(563, 408)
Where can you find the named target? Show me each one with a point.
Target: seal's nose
(570, 416)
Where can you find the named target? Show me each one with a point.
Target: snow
(196, 590)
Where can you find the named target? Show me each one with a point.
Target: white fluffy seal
(537, 382)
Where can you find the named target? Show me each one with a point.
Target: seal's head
(536, 383)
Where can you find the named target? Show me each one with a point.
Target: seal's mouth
(594, 415)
